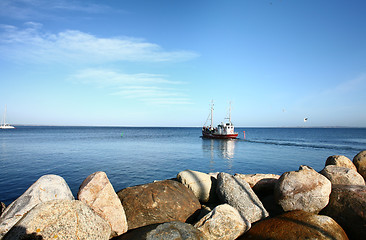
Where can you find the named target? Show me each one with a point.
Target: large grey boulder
(340, 161)
(342, 175)
(60, 219)
(223, 223)
(98, 193)
(46, 188)
(347, 205)
(237, 193)
(360, 162)
(296, 225)
(202, 185)
(304, 189)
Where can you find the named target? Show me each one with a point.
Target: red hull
(219, 136)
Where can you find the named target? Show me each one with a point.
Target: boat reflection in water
(220, 151)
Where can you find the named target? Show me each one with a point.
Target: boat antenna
(210, 115)
(229, 113)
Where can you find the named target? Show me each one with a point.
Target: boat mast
(212, 108)
(4, 116)
(230, 112)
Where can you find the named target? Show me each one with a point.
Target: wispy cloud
(40, 9)
(146, 87)
(349, 86)
(35, 45)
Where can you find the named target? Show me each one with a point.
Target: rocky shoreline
(302, 204)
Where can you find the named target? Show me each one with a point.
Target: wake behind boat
(222, 131)
(5, 125)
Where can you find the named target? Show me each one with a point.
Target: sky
(162, 62)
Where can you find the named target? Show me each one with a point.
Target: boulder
(360, 162)
(60, 219)
(296, 225)
(158, 202)
(237, 193)
(98, 193)
(202, 185)
(260, 183)
(175, 230)
(46, 188)
(304, 189)
(138, 233)
(342, 175)
(341, 161)
(2, 207)
(347, 205)
(223, 222)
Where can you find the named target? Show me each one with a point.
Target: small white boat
(222, 131)
(5, 125)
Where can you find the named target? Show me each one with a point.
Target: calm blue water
(143, 155)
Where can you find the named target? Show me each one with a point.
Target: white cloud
(73, 46)
(146, 87)
(40, 9)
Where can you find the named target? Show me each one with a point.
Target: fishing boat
(222, 131)
(5, 125)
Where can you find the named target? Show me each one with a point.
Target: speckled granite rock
(342, 175)
(223, 223)
(98, 193)
(175, 230)
(360, 162)
(61, 219)
(304, 189)
(340, 161)
(46, 188)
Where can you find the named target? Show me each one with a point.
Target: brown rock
(342, 175)
(304, 189)
(340, 161)
(158, 202)
(347, 205)
(60, 219)
(360, 162)
(98, 193)
(296, 225)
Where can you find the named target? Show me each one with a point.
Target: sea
(137, 155)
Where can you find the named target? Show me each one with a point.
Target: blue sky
(160, 63)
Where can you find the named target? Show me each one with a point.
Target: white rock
(223, 222)
(46, 188)
(201, 184)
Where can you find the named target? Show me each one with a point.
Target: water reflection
(219, 149)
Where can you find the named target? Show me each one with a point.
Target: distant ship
(5, 125)
(222, 131)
